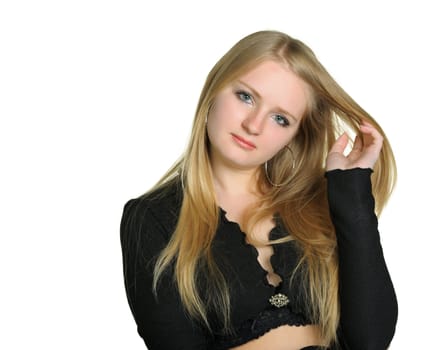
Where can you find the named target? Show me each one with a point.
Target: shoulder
(157, 209)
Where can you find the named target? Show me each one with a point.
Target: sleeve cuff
(350, 194)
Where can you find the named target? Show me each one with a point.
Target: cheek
(215, 125)
(222, 115)
(281, 139)
(213, 121)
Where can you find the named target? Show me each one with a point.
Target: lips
(243, 142)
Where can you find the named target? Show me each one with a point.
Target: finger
(372, 137)
(370, 132)
(358, 144)
(357, 149)
(340, 144)
(367, 123)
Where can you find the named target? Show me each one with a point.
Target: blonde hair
(301, 203)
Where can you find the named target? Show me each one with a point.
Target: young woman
(264, 234)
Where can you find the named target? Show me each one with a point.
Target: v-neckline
(256, 252)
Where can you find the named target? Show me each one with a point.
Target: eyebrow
(260, 97)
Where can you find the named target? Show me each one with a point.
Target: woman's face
(255, 116)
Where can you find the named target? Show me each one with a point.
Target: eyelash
(278, 118)
(281, 120)
(241, 94)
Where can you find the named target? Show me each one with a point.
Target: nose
(253, 123)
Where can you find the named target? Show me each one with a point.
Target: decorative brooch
(279, 300)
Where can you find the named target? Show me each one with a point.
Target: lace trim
(263, 323)
(273, 232)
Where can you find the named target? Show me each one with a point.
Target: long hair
(300, 202)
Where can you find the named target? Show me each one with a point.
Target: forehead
(278, 86)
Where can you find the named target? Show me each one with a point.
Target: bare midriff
(285, 338)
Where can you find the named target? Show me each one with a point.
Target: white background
(96, 102)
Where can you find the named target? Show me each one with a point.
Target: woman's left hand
(364, 153)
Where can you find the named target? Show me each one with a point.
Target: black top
(367, 298)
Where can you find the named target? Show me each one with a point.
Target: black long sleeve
(161, 322)
(367, 297)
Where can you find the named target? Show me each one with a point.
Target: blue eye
(281, 120)
(244, 96)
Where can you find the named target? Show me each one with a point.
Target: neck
(234, 181)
